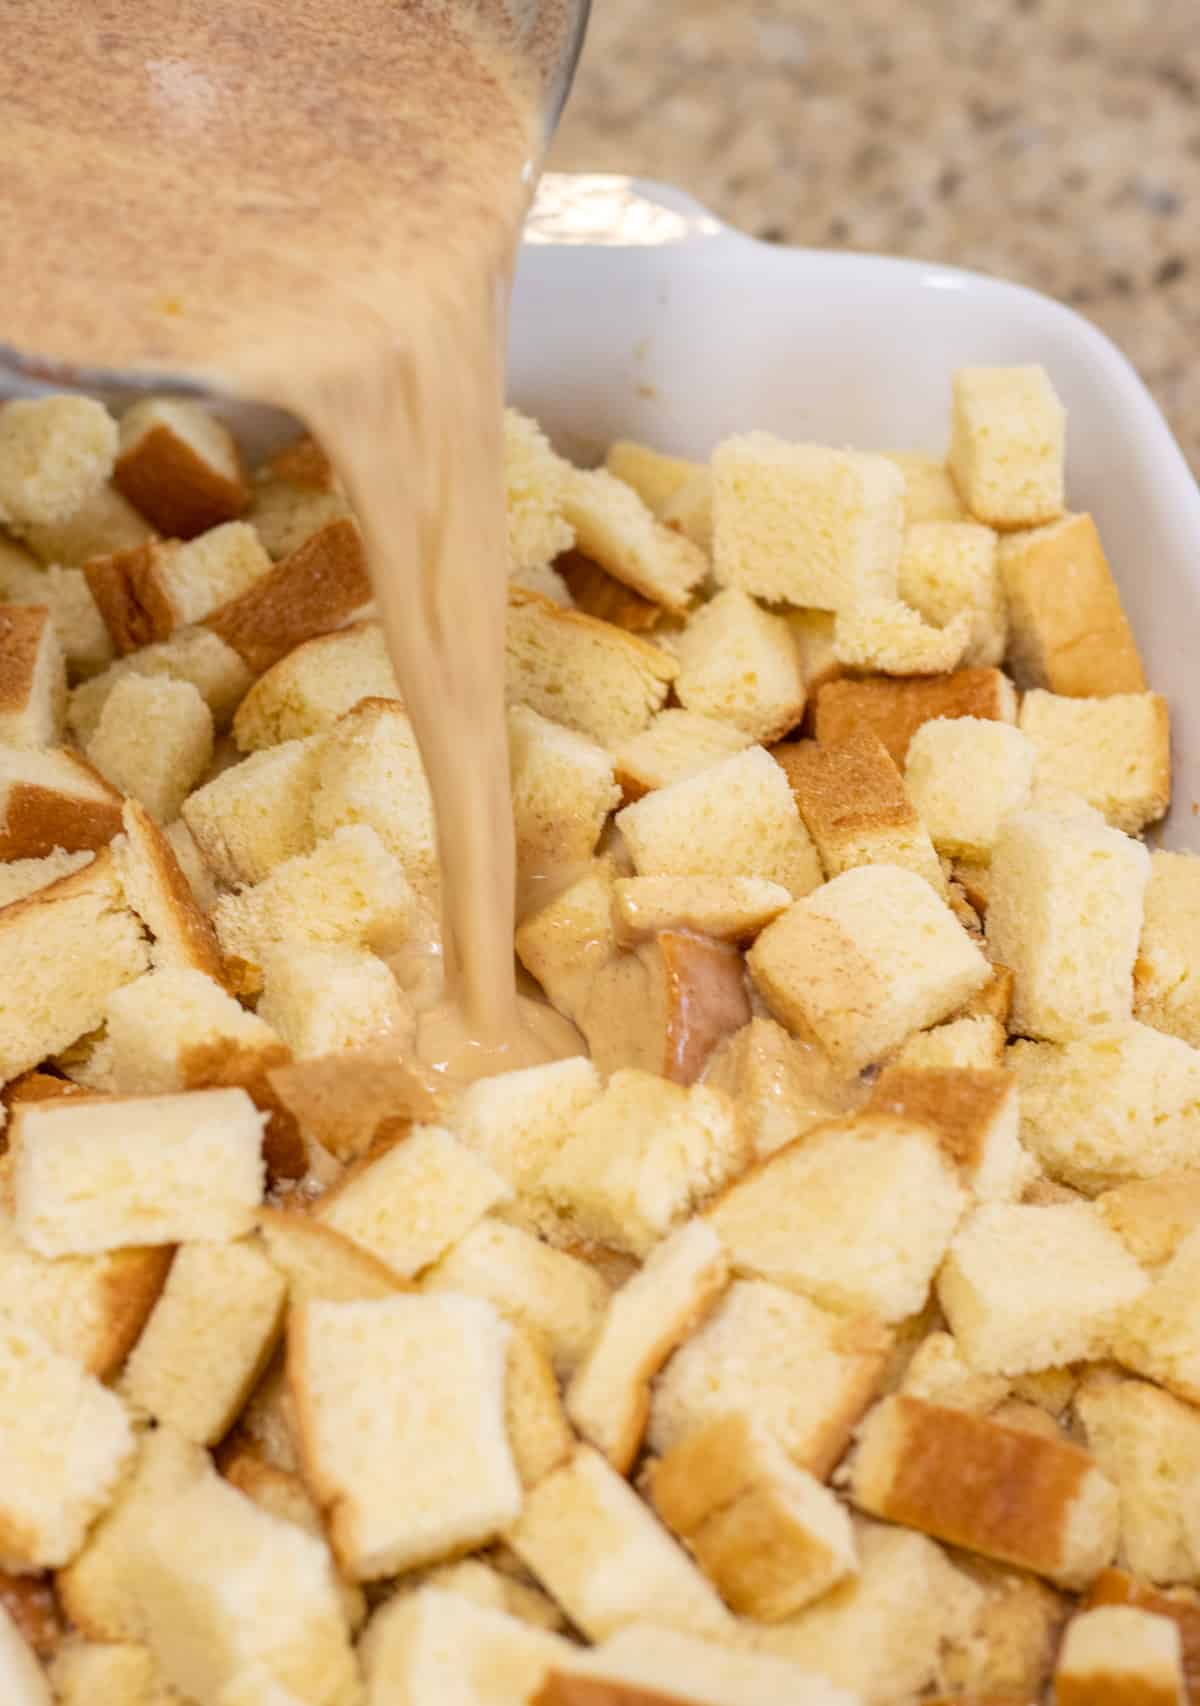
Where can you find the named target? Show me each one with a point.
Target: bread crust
(317, 588)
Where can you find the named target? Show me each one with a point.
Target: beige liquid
(315, 206)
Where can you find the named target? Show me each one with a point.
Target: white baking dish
(637, 314)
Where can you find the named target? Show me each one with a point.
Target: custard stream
(316, 207)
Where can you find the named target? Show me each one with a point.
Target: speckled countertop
(1056, 142)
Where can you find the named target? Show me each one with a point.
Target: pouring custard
(318, 209)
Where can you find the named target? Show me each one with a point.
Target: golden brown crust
(1181, 1605)
(226, 1064)
(175, 488)
(1106, 1688)
(37, 819)
(192, 939)
(707, 1000)
(128, 590)
(33, 1605)
(957, 1104)
(993, 1001)
(597, 594)
(653, 658)
(846, 787)
(347, 1102)
(563, 1689)
(133, 1281)
(894, 709)
(317, 588)
(303, 463)
(22, 628)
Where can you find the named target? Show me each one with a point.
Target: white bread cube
(1166, 974)
(315, 684)
(535, 481)
(292, 502)
(33, 678)
(155, 886)
(208, 1339)
(614, 528)
(639, 1159)
(55, 453)
(20, 878)
(554, 1295)
(1114, 1651)
(518, 1121)
(893, 709)
(1018, 1497)
(66, 1441)
(193, 654)
(802, 1373)
(1007, 436)
(1152, 1217)
(804, 525)
(948, 567)
(319, 1263)
(437, 1645)
(884, 634)
(974, 1115)
(370, 772)
(600, 1553)
(1027, 1286)
(675, 745)
(939, 1374)
(1114, 752)
(1110, 1106)
(972, 1044)
(737, 817)
(122, 1673)
(103, 523)
(158, 1170)
(401, 1411)
(410, 1204)
(147, 593)
(608, 1399)
(63, 951)
(1148, 1444)
(644, 1662)
(257, 813)
(929, 490)
(324, 999)
(562, 791)
(179, 466)
(782, 1087)
(864, 962)
(539, 1435)
(857, 1214)
(739, 663)
(349, 889)
(1067, 630)
(767, 1534)
(654, 476)
(154, 741)
(593, 677)
(1159, 1334)
(82, 633)
(22, 1680)
(728, 909)
(965, 776)
(1065, 916)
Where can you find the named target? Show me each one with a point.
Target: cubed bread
(53, 799)
(348, 1102)
(269, 1425)
(147, 592)
(600, 1553)
(294, 496)
(1028, 1286)
(1114, 752)
(540, 1437)
(349, 889)
(654, 476)
(767, 1534)
(591, 676)
(122, 1673)
(1116, 1651)
(782, 1087)
(1158, 1335)
(22, 877)
(155, 886)
(1010, 1650)
(63, 951)
(640, 1158)
(1038, 1503)
(66, 1441)
(857, 1214)
(1152, 1217)
(864, 962)
(675, 745)
(727, 909)
(974, 1115)
(401, 1411)
(615, 528)
(313, 685)
(948, 567)
(576, 582)
(81, 632)
(547, 1291)
(1166, 974)
(369, 771)
(804, 525)
(192, 654)
(319, 587)
(1065, 916)
(895, 709)
(436, 1644)
(939, 1374)
(965, 775)
(1181, 1605)
(885, 634)
(21, 1677)
(321, 999)
(855, 806)
(33, 678)
(179, 466)
(608, 1398)
(154, 741)
(518, 1121)
(739, 664)
(55, 452)
(320, 1264)
(257, 813)
(567, 943)
(1007, 445)
(104, 522)
(643, 1664)
(410, 1204)
(737, 817)
(535, 481)
(1067, 630)
(159, 1170)
(802, 1373)
(973, 1044)
(929, 490)
(562, 791)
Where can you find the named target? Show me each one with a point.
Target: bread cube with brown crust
(975, 1117)
(178, 465)
(320, 586)
(33, 679)
(55, 453)
(53, 799)
(615, 528)
(148, 591)
(1116, 1652)
(895, 709)
(314, 685)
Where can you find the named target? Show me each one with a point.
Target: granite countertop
(1056, 142)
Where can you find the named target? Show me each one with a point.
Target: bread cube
(939, 1374)
(567, 943)
(1065, 916)
(766, 1533)
(973, 1044)
(1115, 1651)
(782, 1087)
(326, 998)
(655, 477)
(1022, 1499)
(676, 744)
(121, 1674)
(1027, 1287)
(315, 684)
(591, 676)
(884, 634)
(51, 800)
(369, 771)
(320, 1264)
(103, 523)
(294, 496)
(1114, 752)
(895, 709)
(487, 1583)
(562, 789)
(81, 632)
(147, 592)
(739, 664)
(539, 1434)
(929, 490)
(257, 813)
(640, 1158)
(948, 567)
(801, 1373)
(416, 1386)
(857, 1214)
(179, 466)
(535, 481)
(66, 1441)
(154, 741)
(805, 525)
(860, 965)
(319, 587)
(575, 582)
(1159, 1335)
(518, 1121)
(350, 1102)
(155, 886)
(1166, 974)
(171, 1030)
(615, 529)
(608, 1399)
(192, 654)
(973, 1113)
(33, 680)
(854, 804)
(1007, 439)
(55, 453)
(1152, 1217)
(435, 1644)
(161, 1170)
(735, 818)
(965, 776)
